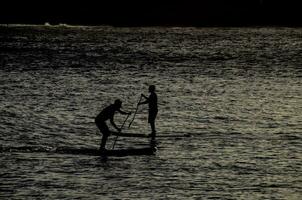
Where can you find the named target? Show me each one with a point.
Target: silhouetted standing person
(103, 116)
(152, 102)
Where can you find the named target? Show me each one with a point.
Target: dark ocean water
(237, 91)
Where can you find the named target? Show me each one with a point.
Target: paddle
(135, 111)
(121, 131)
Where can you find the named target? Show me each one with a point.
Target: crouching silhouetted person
(108, 114)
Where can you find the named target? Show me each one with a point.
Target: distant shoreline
(147, 26)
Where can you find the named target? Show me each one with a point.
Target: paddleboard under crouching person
(108, 114)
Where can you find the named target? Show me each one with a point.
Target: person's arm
(124, 113)
(114, 125)
(144, 102)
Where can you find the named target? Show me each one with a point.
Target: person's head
(151, 88)
(118, 103)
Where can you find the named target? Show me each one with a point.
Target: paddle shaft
(135, 112)
(121, 131)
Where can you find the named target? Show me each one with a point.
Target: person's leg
(151, 120)
(152, 124)
(153, 133)
(103, 142)
(105, 133)
(152, 116)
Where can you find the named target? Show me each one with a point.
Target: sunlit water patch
(237, 91)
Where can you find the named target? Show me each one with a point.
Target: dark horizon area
(152, 13)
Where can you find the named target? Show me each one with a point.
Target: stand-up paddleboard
(148, 150)
(115, 152)
(142, 135)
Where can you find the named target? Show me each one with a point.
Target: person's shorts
(103, 127)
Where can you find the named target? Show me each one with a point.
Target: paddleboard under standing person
(152, 102)
(108, 114)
